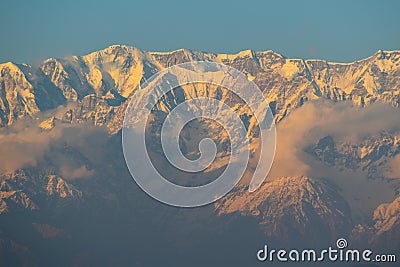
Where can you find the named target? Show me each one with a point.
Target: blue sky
(334, 30)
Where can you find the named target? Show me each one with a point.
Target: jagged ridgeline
(99, 84)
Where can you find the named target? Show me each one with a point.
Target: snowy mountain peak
(291, 206)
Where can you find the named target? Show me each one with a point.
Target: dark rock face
(370, 155)
(19, 191)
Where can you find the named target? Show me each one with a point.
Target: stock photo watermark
(153, 91)
(340, 253)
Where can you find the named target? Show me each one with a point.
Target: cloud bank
(71, 150)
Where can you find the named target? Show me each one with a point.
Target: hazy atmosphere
(341, 30)
(199, 133)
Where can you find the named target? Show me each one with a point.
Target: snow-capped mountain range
(101, 81)
(95, 89)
